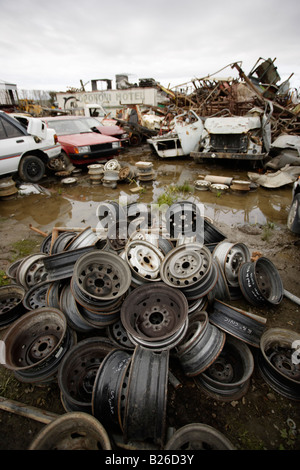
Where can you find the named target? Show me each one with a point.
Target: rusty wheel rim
(278, 361)
(11, 307)
(36, 345)
(100, 277)
(78, 370)
(72, 431)
(154, 315)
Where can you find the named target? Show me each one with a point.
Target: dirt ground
(261, 419)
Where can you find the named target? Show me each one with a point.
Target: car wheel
(65, 160)
(135, 139)
(293, 221)
(31, 169)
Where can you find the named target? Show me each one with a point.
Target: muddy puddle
(64, 205)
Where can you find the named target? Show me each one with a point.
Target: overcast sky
(53, 45)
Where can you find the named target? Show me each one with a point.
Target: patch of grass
(267, 231)
(4, 279)
(166, 198)
(23, 248)
(250, 441)
(172, 193)
(9, 385)
(289, 436)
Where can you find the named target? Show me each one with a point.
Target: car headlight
(115, 145)
(124, 136)
(83, 149)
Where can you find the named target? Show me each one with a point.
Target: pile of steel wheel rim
(102, 316)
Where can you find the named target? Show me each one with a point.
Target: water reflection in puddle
(76, 206)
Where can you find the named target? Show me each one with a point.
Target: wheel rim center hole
(185, 264)
(156, 318)
(99, 283)
(42, 346)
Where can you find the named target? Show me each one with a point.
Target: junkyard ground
(262, 419)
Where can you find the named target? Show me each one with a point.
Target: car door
(14, 141)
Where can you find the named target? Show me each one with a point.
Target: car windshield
(69, 126)
(92, 122)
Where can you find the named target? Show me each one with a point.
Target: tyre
(31, 169)
(293, 221)
(135, 139)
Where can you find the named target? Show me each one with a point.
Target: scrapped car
(26, 151)
(236, 137)
(293, 221)
(181, 140)
(79, 143)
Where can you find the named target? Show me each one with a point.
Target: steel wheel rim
(72, 431)
(68, 306)
(197, 436)
(228, 377)
(106, 399)
(62, 241)
(154, 314)
(42, 324)
(101, 276)
(36, 297)
(276, 363)
(11, 304)
(118, 335)
(191, 262)
(163, 345)
(78, 370)
(144, 260)
(181, 218)
(146, 397)
(201, 346)
(85, 238)
(231, 256)
(260, 282)
(31, 270)
(239, 323)
(208, 284)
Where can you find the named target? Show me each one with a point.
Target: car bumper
(90, 157)
(229, 156)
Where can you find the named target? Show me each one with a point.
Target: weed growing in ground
(4, 279)
(267, 231)
(23, 248)
(173, 192)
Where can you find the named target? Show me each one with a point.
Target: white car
(26, 151)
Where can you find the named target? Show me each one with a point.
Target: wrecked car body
(182, 139)
(238, 137)
(285, 150)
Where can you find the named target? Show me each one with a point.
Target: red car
(80, 143)
(113, 130)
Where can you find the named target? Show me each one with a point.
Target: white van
(26, 151)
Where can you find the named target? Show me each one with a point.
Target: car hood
(111, 130)
(89, 138)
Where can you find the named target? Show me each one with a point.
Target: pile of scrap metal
(238, 96)
(141, 291)
(240, 117)
(138, 127)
